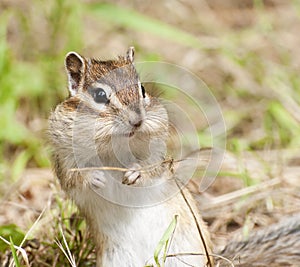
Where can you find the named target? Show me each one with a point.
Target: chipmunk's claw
(133, 175)
(98, 179)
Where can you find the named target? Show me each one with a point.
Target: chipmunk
(110, 121)
(105, 136)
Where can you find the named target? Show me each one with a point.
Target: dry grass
(246, 52)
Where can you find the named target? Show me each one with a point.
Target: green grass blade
(129, 18)
(163, 243)
(283, 117)
(14, 253)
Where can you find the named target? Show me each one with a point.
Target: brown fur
(80, 112)
(275, 246)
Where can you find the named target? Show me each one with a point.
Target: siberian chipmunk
(110, 121)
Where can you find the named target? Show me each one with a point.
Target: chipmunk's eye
(143, 91)
(99, 95)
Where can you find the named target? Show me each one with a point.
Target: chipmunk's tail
(274, 246)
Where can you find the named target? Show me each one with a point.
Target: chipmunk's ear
(130, 54)
(75, 66)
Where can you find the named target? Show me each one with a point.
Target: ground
(245, 51)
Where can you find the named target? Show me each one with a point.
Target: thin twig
(201, 254)
(229, 197)
(67, 253)
(197, 223)
(27, 234)
(99, 168)
(33, 226)
(142, 169)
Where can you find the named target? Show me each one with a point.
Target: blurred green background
(246, 51)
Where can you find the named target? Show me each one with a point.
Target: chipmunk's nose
(136, 121)
(135, 117)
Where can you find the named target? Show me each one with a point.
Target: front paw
(97, 179)
(133, 175)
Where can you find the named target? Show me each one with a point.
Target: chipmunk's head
(101, 78)
(112, 90)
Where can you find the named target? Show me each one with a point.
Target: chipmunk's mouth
(126, 134)
(130, 134)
